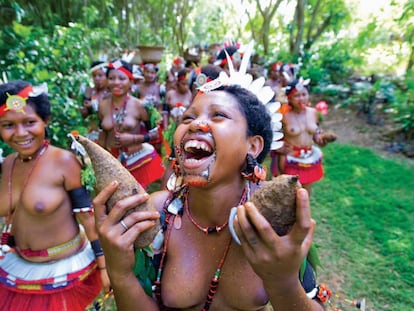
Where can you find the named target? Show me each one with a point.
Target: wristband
(146, 138)
(97, 248)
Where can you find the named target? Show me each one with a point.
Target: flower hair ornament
(117, 64)
(265, 94)
(292, 89)
(17, 102)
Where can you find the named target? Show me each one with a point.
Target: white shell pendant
(175, 206)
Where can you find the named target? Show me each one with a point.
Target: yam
(107, 169)
(328, 137)
(276, 201)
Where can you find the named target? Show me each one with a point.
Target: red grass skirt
(145, 165)
(308, 169)
(68, 284)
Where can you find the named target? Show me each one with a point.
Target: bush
(61, 59)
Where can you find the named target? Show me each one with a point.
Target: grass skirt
(308, 169)
(69, 284)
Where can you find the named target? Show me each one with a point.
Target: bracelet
(97, 248)
(102, 268)
(146, 138)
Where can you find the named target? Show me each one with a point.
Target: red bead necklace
(216, 278)
(207, 229)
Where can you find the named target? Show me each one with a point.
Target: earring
(254, 172)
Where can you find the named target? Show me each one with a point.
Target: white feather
(273, 107)
(276, 145)
(265, 94)
(277, 135)
(257, 85)
(38, 89)
(246, 58)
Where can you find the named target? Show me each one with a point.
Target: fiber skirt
(145, 165)
(308, 169)
(69, 284)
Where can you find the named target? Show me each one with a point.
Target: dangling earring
(254, 172)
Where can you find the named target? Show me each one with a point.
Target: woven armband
(97, 248)
(81, 200)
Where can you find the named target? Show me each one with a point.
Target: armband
(165, 107)
(80, 200)
(320, 292)
(97, 248)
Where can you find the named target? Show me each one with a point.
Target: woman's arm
(277, 259)
(118, 246)
(72, 181)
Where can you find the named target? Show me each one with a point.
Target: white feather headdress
(264, 93)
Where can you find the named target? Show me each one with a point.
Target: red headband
(16, 102)
(118, 66)
(293, 92)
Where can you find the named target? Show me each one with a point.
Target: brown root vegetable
(328, 137)
(107, 169)
(276, 201)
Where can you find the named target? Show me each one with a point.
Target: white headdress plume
(39, 89)
(127, 57)
(264, 93)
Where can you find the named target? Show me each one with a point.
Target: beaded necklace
(118, 117)
(170, 220)
(117, 120)
(6, 233)
(207, 229)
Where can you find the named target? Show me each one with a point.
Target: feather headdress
(264, 93)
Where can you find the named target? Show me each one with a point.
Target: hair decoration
(98, 66)
(299, 86)
(117, 64)
(265, 94)
(17, 102)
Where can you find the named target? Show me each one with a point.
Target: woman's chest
(297, 124)
(36, 194)
(193, 274)
(124, 120)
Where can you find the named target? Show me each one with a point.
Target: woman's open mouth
(197, 154)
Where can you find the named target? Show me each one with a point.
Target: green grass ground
(364, 212)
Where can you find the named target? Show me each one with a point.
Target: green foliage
(403, 106)
(328, 63)
(60, 59)
(88, 178)
(144, 269)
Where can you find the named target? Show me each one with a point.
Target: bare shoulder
(159, 198)
(63, 157)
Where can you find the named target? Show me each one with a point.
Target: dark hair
(125, 64)
(40, 103)
(292, 85)
(256, 114)
(211, 71)
(96, 63)
(182, 73)
(230, 50)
